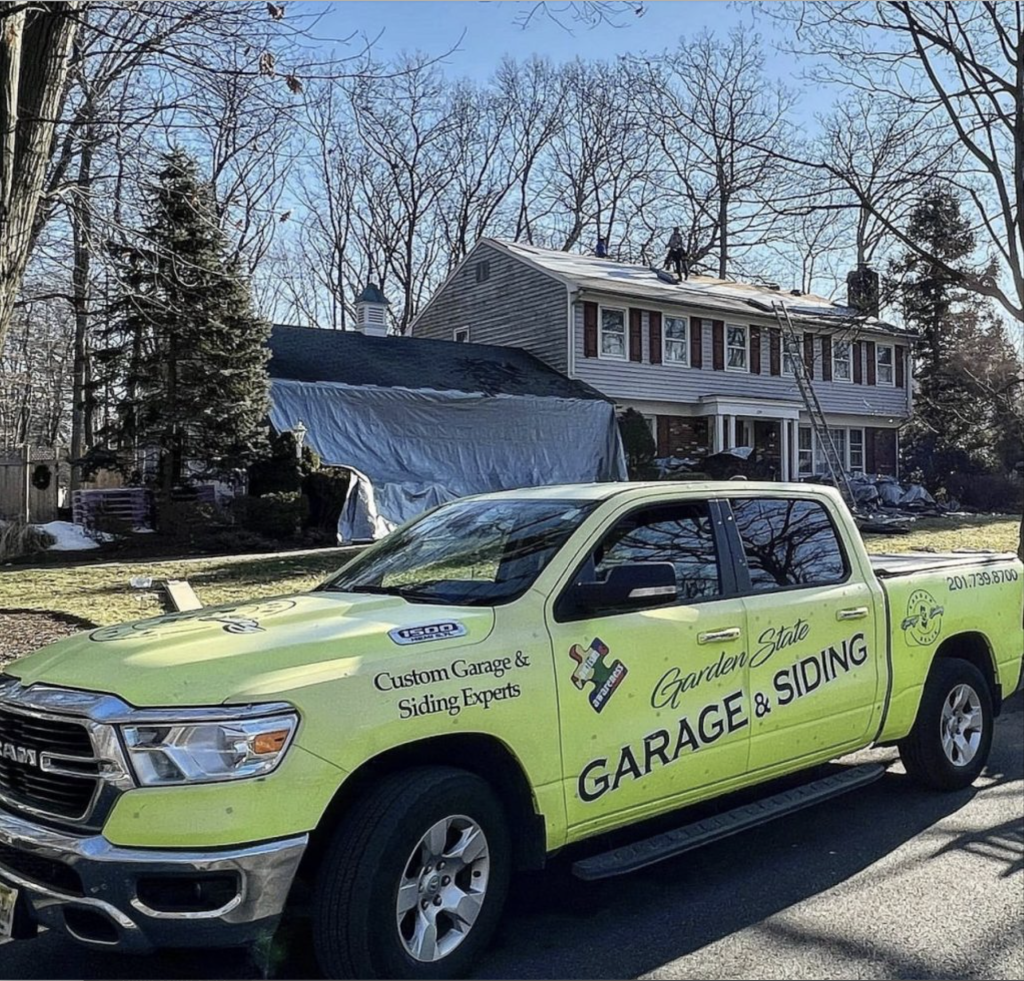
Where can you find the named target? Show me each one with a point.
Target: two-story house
(703, 359)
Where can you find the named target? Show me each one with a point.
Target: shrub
(638, 444)
(987, 492)
(189, 522)
(281, 471)
(18, 540)
(326, 491)
(277, 516)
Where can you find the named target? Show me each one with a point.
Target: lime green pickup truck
(500, 678)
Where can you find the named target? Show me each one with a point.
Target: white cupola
(372, 312)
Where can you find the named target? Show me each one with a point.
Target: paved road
(888, 882)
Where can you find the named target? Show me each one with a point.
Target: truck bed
(889, 566)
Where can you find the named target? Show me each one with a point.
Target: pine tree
(964, 364)
(186, 356)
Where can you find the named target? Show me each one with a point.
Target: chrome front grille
(60, 755)
(38, 756)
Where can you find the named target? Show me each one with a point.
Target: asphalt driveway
(888, 882)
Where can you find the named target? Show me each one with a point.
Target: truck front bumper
(139, 899)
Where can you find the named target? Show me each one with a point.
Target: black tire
(355, 925)
(922, 751)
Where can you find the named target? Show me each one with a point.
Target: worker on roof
(676, 257)
(602, 249)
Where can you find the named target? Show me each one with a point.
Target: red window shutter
(901, 372)
(590, 330)
(755, 350)
(858, 366)
(826, 359)
(654, 335)
(718, 345)
(663, 436)
(809, 354)
(774, 351)
(636, 341)
(869, 451)
(696, 342)
(869, 350)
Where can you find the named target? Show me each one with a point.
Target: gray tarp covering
(411, 450)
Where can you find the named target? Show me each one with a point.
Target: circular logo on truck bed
(923, 621)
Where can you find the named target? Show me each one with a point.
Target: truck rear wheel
(950, 742)
(414, 880)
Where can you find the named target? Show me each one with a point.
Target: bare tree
(957, 71)
(35, 44)
(713, 106)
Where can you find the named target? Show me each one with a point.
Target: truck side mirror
(633, 586)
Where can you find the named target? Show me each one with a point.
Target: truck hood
(251, 650)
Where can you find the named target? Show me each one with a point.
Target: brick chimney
(372, 312)
(862, 290)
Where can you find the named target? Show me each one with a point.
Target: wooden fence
(30, 480)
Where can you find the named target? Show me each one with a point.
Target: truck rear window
(788, 543)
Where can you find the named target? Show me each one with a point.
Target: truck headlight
(183, 751)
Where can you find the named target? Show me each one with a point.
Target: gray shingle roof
(310, 355)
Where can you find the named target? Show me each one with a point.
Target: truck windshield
(468, 553)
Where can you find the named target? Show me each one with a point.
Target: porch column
(794, 448)
(718, 443)
(784, 446)
(730, 432)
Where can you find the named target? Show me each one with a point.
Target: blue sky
(491, 31)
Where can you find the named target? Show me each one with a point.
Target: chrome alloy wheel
(442, 890)
(961, 725)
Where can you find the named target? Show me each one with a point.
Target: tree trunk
(35, 45)
(723, 236)
(81, 217)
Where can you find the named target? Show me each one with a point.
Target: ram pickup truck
(500, 678)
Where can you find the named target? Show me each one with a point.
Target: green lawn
(101, 593)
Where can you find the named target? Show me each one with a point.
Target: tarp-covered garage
(420, 422)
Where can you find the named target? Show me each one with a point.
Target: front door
(815, 645)
(652, 703)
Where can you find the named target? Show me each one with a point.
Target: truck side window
(677, 533)
(788, 543)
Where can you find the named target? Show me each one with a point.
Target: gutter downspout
(570, 318)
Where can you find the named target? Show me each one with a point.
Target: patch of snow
(70, 537)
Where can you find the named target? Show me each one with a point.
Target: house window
(483, 271)
(674, 340)
(849, 444)
(788, 359)
(736, 358)
(613, 333)
(461, 335)
(805, 452)
(884, 362)
(842, 361)
(856, 449)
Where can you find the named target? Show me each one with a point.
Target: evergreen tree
(185, 364)
(965, 367)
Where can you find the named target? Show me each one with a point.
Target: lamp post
(299, 432)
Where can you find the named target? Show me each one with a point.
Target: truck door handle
(856, 613)
(712, 636)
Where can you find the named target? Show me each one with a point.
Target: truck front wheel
(414, 880)
(950, 742)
